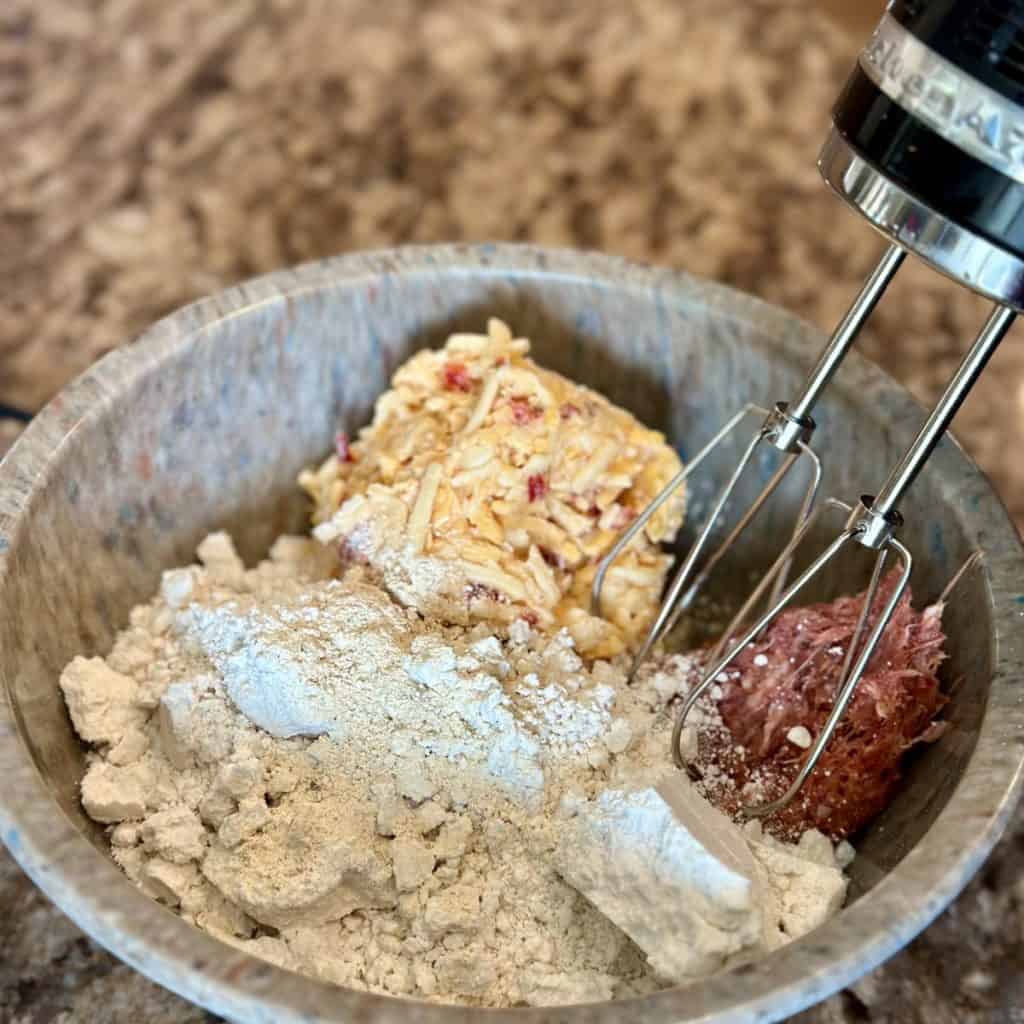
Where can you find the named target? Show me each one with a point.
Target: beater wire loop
(872, 524)
(691, 575)
(853, 670)
(722, 659)
(663, 495)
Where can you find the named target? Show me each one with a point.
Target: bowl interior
(208, 428)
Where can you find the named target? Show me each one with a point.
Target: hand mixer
(927, 143)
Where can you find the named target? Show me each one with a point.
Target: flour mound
(306, 770)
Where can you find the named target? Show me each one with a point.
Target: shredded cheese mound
(487, 489)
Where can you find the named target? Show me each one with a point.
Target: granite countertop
(154, 152)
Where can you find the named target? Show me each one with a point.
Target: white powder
(689, 911)
(308, 771)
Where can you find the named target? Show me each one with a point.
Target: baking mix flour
(305, 769)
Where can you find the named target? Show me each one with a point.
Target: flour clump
(340, 786)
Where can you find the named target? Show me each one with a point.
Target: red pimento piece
(530, 617)
(550, 557)
(536, 486)
(568, 409)
(522, 411)
(455, 377)
(343, 447)
(350, 553)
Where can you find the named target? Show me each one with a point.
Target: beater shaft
(969, 370)
(846, 332)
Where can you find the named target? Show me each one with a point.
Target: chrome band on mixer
(969, 115)
(948, 247)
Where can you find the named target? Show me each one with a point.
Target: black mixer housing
(984, 39)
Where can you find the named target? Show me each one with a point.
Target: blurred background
(154, 152)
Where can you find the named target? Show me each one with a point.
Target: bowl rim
(90, 889)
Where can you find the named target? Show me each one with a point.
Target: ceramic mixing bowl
(204, 423)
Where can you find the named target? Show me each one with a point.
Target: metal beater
(927, 143)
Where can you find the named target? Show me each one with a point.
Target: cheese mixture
(487, 489)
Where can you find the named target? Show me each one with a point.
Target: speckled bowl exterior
(204, 423)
